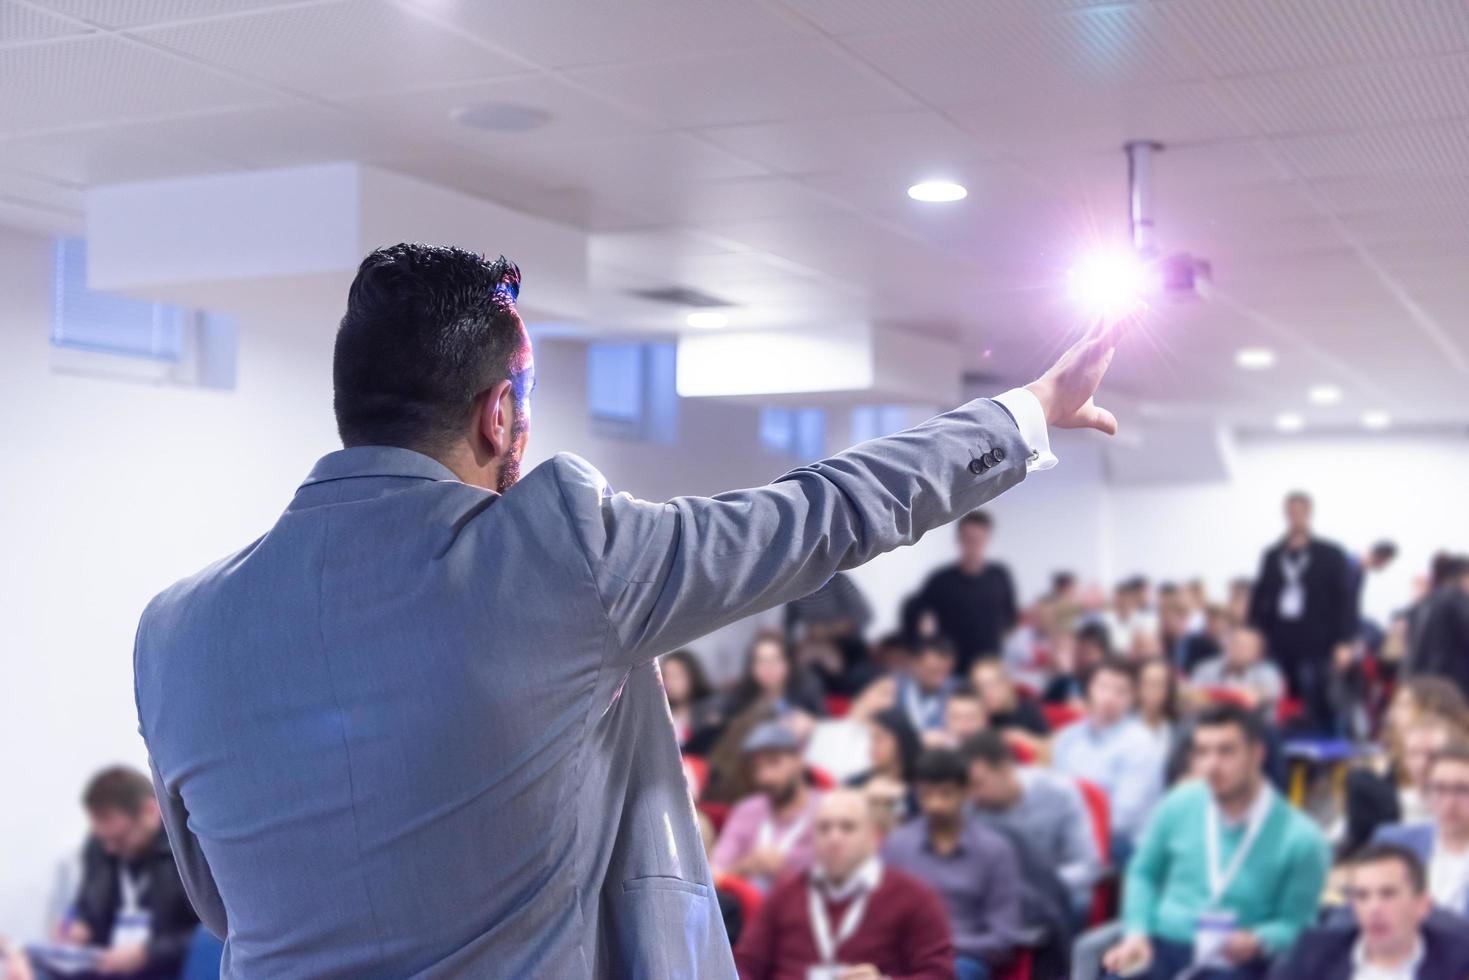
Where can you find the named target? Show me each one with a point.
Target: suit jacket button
(977, 466)
(998, 454)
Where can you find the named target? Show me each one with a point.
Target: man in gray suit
(417, 728)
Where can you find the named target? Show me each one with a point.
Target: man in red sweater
(848, 917)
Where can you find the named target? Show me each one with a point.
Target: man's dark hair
(1300, 495)
(428, 328)
(941, 766)
(964, 692)
(1098, 635)
(1378, 853)
(934, 644)
(979, 518)
(1061, 581)
(988, 747)
(1384, 551)
(117, 788)
(1250, 724)
(1112, 665)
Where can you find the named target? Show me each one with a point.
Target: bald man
(848, 917)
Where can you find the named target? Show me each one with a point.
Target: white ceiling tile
(575, 33)
(884, 16)
(336, 49)
(109, 155)
(791, 81)
(102, 79)
(1114, 46)
(915, 142)
(740, 198)
(1058, 122)
(1241, 37)
(138, 13)
(1356, 96)
(1439, 149)
(20, 23)
(275, 136)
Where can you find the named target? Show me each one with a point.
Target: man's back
(428, 666)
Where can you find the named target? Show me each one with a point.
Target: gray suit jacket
(417, 728)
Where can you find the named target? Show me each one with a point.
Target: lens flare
(1109, 284)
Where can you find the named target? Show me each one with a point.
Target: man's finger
(1095, 417)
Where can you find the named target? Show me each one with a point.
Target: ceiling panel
(791, 81)
(104, 79)
(914, 142)
(1241, 37)
(884, 16)
(138, 13)
(110, 155)
(573, 33)
(1114, 46)
(1420, 150)
(1356, 96)
(20, 23)
(374, 46)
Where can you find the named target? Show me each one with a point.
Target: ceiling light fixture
(1289, 422)
(1324, 394)
(501, 117)
(1376, 421)
(1255, 358)
(706, 320)
(937, 191)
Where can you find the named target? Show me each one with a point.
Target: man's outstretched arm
(668, 573)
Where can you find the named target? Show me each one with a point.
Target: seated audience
(1227, 873)
(131, 901)
(924, 687)
(1183, 631)
(769, 834)
(972, 868)
(1241, 674)
(1130, 616)
(842, 747)
(886, 784)
(1394, 933)
(1439, 630)
(1111, 748)
(972, 601)
(1009, 710)
(1076, 659)
(1442, 843)
(850, 916)
(1157, 704)
(688, 691)
(836, 610)
(1044, 808)
(964, 715)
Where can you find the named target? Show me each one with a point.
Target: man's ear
(497, 417)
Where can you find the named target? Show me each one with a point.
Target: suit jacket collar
(376, 461)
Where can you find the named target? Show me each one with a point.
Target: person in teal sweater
(1227, 873)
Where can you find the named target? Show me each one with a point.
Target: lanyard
(1294, 568)
(1219, 881)
(765, 836)
(132, 890)
(924, 712)
(826, 946)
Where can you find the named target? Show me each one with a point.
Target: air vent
(681, 296)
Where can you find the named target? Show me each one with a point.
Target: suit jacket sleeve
(189, 856)
(668, 573)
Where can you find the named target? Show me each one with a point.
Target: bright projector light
(1109, 284)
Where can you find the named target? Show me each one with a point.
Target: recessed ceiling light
(1289, 422)
(938, 191)
(501, 117)
(1324, 394)
(1255, 358)
(1376, 421)
(706, 320)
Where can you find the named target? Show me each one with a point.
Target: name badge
(1210, 931)
(132, 929)
(825, 971)
(1293, 601)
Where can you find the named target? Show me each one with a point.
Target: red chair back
(1019, 968)
(837, 706)
(1058, 716)
(1023, 750)
(820, 778)
(745, 893)
(1101, 813)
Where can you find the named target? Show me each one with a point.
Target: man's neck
(971, 567)
(943, 835)
(1296, 540)
(1236, 805)
(1392, 955)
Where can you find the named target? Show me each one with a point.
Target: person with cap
(769, 832)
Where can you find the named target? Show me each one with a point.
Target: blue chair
(205, 953)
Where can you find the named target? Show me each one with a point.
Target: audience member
(1130, 617)
(964, 715)
(850, 916)
(1304, 606)
(1008, 708)
(1241, 674)
(835, 611)
(769, 834)
(1439, 637)
(973, 869)
(1374, 606)
(131, 901)
(1181, 631)
(1227, 873)
(1111, 748)
(1091, 646)
(1442, 843)
(924, 687)
(894, 750)
(972, 600)
(842, 747)
(689, 693)
(1044, 808)
(1157, 704)
(1394, 933)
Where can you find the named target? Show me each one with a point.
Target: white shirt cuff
(1026, 410)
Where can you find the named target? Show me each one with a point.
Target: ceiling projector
(1177, 276)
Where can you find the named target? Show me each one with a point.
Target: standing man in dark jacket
(131, 900)
(972, 601)
(1439, 643)
(1303, 603)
